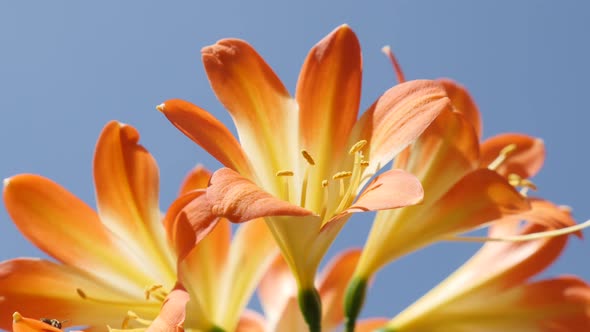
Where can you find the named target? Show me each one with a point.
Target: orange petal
(23, 324)
(64, 227)
(251, 321)
(239, 199)
(208, 132)
(398, 117)
(332, 286)
(173, 313)
(188, 221)
(39, 288)
(197, 178)
(544, 213)
(328, 95)
(463, 103)
(275, 288)
(525, 161)
(446, 151)
(127, 188)
(392, 189)
(553, 303)
(260, 105)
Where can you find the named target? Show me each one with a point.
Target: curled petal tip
(16, 316)
(5, 182)
(161, 107)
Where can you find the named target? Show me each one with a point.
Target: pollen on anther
(324, 183)
(341, 175)
(284, 173)
(357, 146)
(81, 293)
(307, 157)
(364, 163)
(508, 149)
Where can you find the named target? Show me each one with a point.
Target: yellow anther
(357, 146)
(341, 175)
(324, 183)
(516, 180)
(364, 163)
(307, 157)
(150, 290)
(285, 173)
(508, 149)
(81, 293)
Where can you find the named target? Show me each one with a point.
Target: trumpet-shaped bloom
(125, 265)
(302, 161)
(278, 296)
(493, 291)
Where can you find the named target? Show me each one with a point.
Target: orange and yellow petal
(392, 189)
(235, 197)
(262, 109)
(208, 132)
(463, 103)
(66, 228)
(251, 321)
(25, 324)
(370, 324)
(397, 118)
(173, 312)
(197, 178)
(525, 160)
(39, 288)
(127, 189)
(328, 95)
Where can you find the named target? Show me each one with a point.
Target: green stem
(353, 302)
(310, 305)
(216, 329)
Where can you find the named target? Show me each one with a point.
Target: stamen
(284, 173)
(398, 69)
(357, 147)
(516, 180)
(341, 175)
(155, 291)
(308, 157)
(364, 163)
(508, 149)
(132, 316)
(522, 238)
(324, 183)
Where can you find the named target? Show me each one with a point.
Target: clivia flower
(493, 290)
(302, 161)
(127, 265)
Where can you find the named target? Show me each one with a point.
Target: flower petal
(23, 324)
(251, 321)
(262, 110)
(370, 325)
(127, 187)
(328, 95)
(525, 161)
(397, 118)
(275, 289)
(446, 151)
(197, 178)
(332, 287)
(463, 103)
(208, 132)
(173, 313)
(39, 288)
(67, 229)
(238, 199)
(392, 189)
(188, 221)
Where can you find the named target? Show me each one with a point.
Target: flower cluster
(300, 168)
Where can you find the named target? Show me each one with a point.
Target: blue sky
(67, 68)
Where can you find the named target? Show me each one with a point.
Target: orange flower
(493, 291)
(118, 265)
(24, 324)
(467, 185)
(278, 296)
(301, 162)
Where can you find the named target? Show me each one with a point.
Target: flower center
(335, 193)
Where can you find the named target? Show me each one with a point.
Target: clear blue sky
(68, 67)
